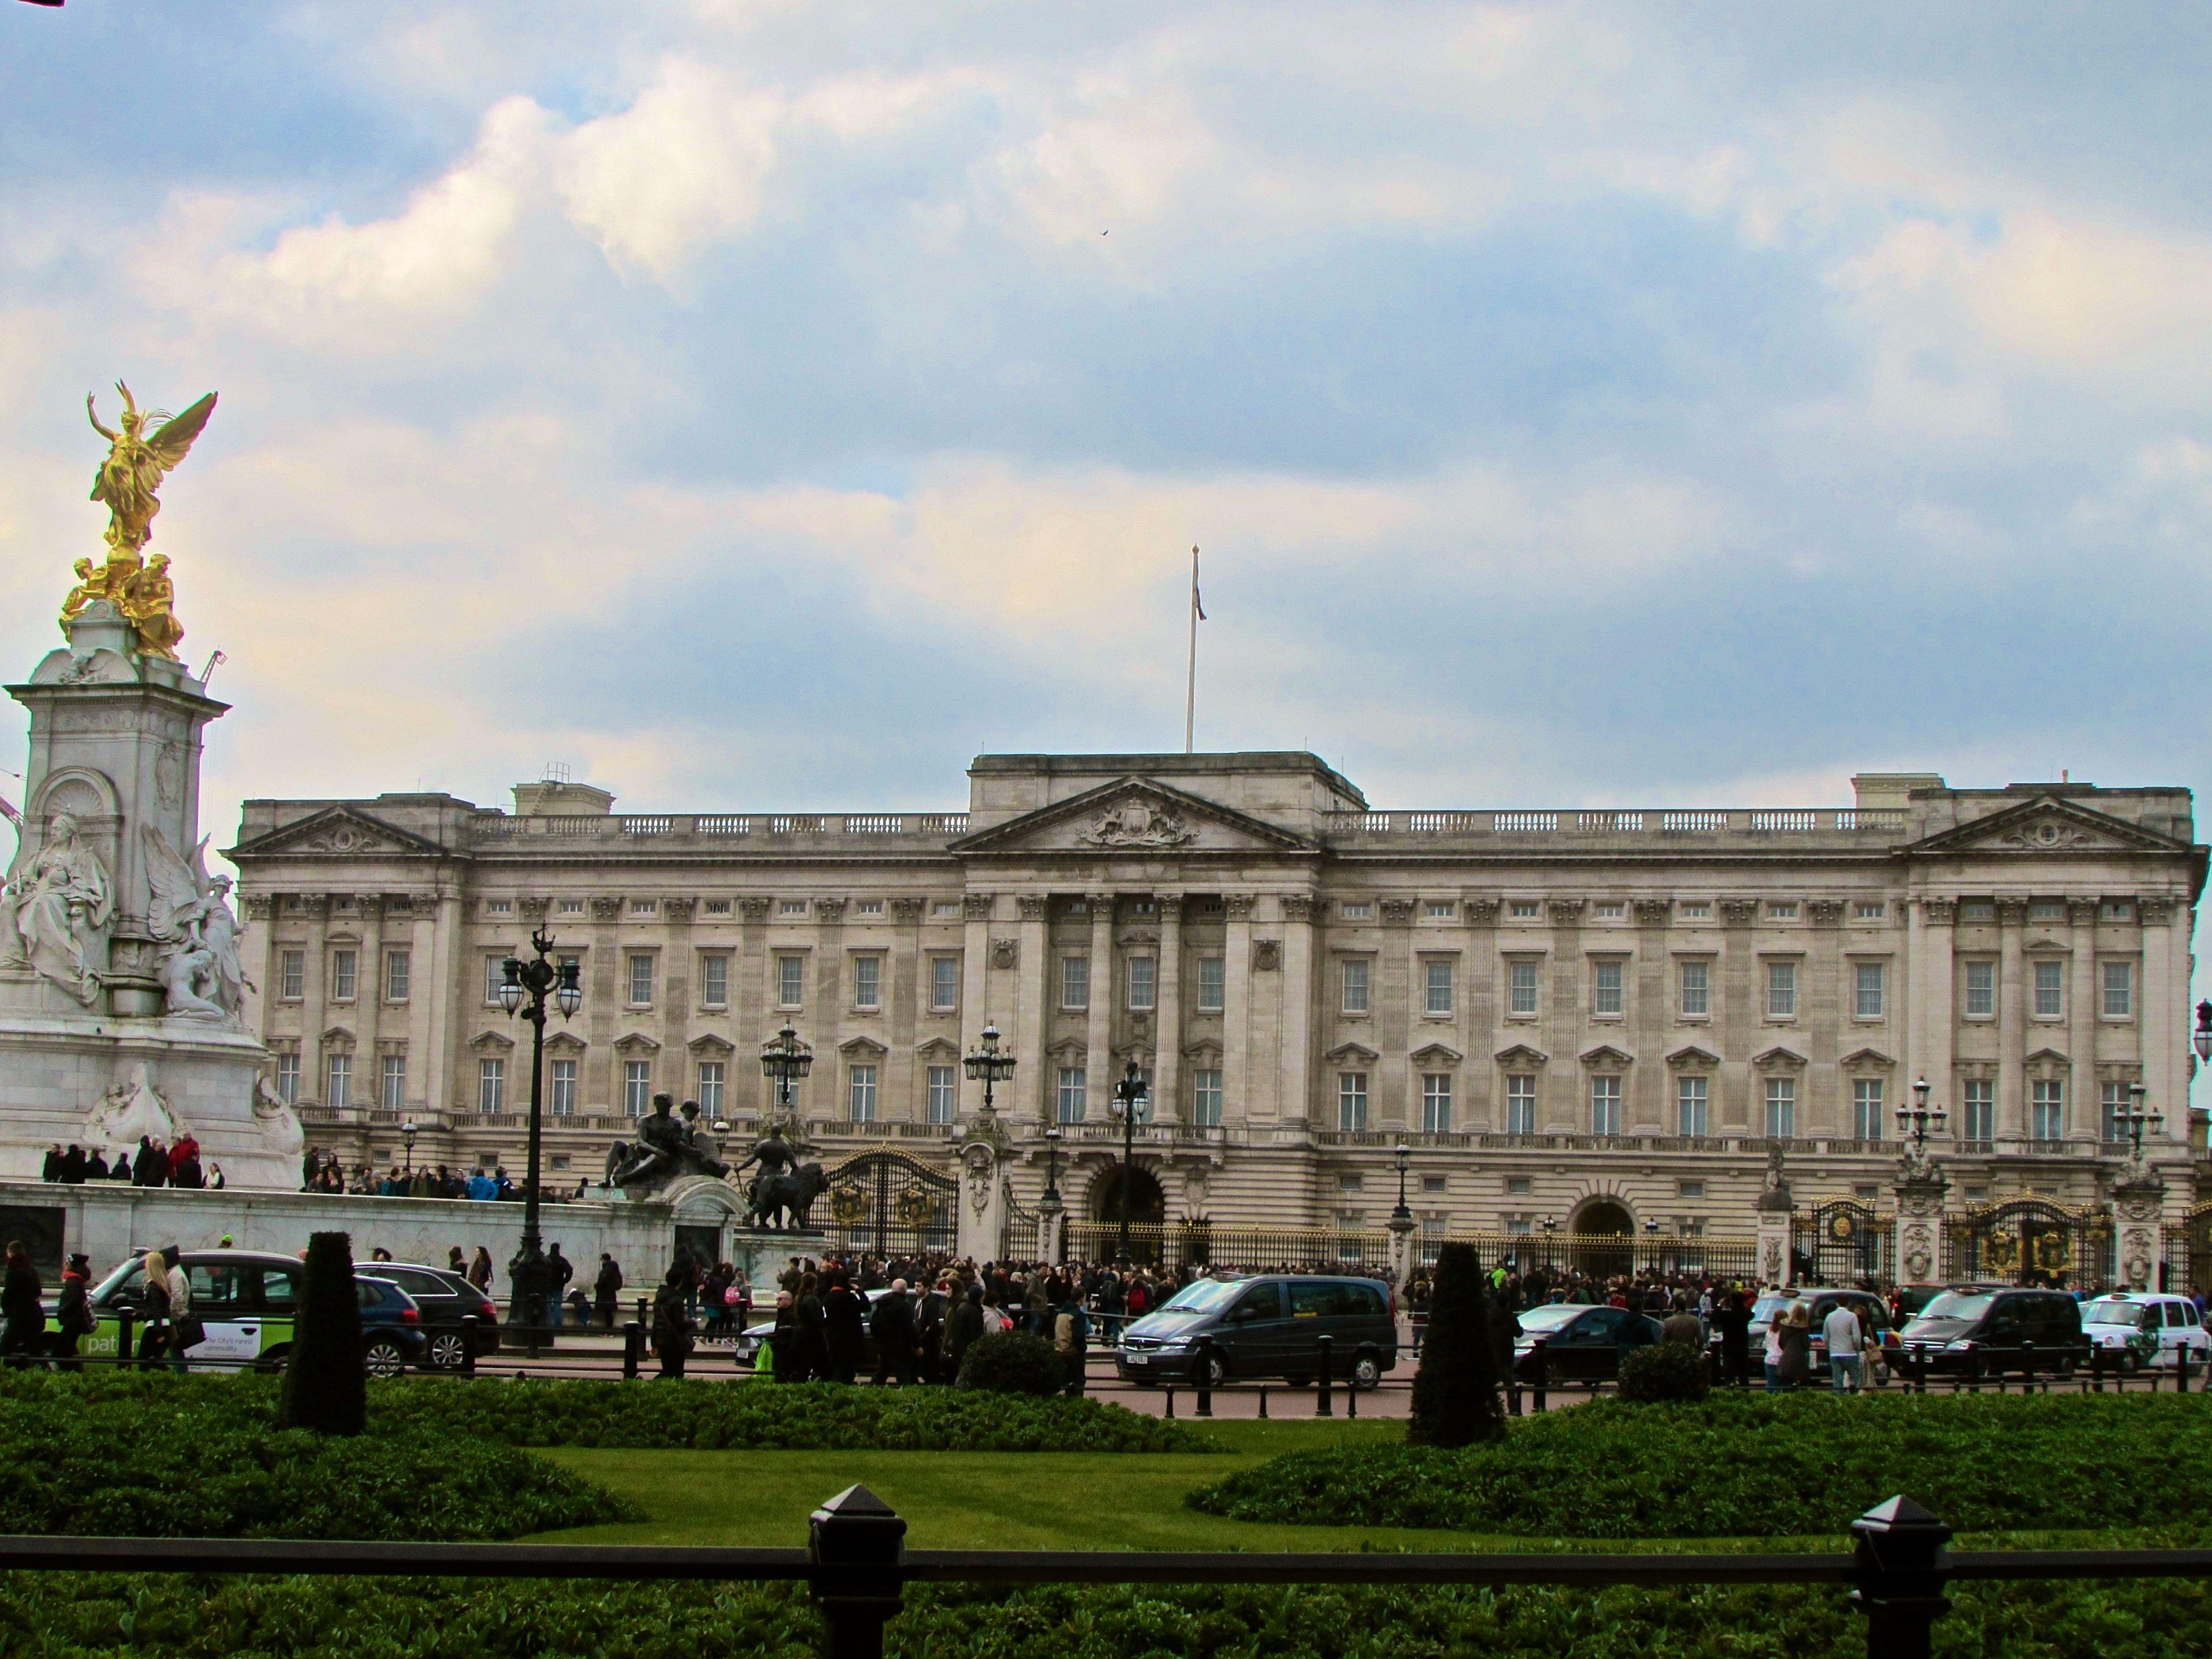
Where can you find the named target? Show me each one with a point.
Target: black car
(1265, 1327)
(1979, 1330)
(1569, 1342)
(447, 1299)
(391, 1336)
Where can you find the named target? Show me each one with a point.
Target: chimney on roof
(1892, 789)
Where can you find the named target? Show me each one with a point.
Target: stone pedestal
(1777, 1211)
(104, 1037)
(985, 1147)
(2138, 1208)
(1922, 1193)
(1404, 1247)
(1052, 1229)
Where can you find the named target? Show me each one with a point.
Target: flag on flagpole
(1196, 603)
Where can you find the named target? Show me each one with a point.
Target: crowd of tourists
(322, 1171)
(154, 1163)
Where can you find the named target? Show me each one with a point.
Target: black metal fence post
(1899, 1548)
(1324, 1406)
(125, 1318)
(633, 1349)
(1205, 1376)
(856, 1545)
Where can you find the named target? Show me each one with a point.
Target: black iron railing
(857, 1567)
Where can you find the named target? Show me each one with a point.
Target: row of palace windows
(2046, 1118)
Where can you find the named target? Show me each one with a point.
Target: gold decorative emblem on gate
(2054, 1253)
(1840, 1228)
(2004, 1253)
(848, 1205)
(916, 1209)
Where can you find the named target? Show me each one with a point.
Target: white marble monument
(121, 982)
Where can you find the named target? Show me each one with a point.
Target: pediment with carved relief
(338, 832)
(2049, 823)
(1134, 815)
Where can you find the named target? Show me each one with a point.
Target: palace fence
(856, 1566)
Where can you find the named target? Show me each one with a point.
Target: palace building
(1591, 1021)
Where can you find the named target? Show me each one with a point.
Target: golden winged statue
(128, 483)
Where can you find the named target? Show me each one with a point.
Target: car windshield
(1538, 1321)
(2114, 1311)
(1762, 1310)
(1204, 1296)
(1959, 1305)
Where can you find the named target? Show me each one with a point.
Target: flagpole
(1190, 693)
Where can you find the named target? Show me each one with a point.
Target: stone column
(1733, 1108)
(1921, 1191)
(1236, 1009)
(1936, 1026)
(2082, 1018)
(1485, 1112)
(369, 1004)
(749, 1091)
(981, 1204)
(679, 967)
(1826, 1003)
(1647, 1110)
(1167, 1051)
(905, 967)
(1028, 1097)
(2163, 998)
(1565, 1104)
(1098, 1036)
(1395, 1101)
(2138, 1203)
(975, 987)
(1775, 1210)
(1294, 1093)
(2012, 1022)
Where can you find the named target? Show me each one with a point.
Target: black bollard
(1263, 1402)
(1170, 1404)
(2027, 1368)
(1323, 1405)
(126, 1319)
(1205, 1376)
(633, 1350)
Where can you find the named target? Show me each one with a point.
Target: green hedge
(703, 1416)
(68, 1615)
(793, 1417)
(153, 1455)
(1786, 1465)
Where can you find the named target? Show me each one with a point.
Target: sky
(759, 405)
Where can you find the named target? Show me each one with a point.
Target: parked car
(1976, 1331)
(2135, 1328)
(1266, 1326)
(446, 1298)
(247, 1299)
(1580, 1344)
(392, 1335)
(1881, 1337)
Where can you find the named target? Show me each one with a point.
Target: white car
(2136, 1327)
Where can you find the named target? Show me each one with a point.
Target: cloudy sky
(760, 404)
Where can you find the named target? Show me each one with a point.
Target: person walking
(606, 1291)
(22, 1308)
(813, 1344)
(1771, 1353)
(1846, 1340)
(1796, 1362)
(1682, 1325)
(671, 1325)
(73, 1315)
(892, 1326)
(1732, 1324)
(929, 1335)
(186, 1330)
(844, 1317)
(1071, 1331)
(559, 1270)
(962, 1331)
(152, 1310)
(480, 1270)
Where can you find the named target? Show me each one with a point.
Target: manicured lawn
(979, 1500)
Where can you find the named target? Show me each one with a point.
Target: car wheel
(274, 1361)
(448, 1352)
(382, 1357)
(1214, 1373)
(1366, 1372)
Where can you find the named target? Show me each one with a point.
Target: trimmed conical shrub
(1457, 1390)
(326, 1387)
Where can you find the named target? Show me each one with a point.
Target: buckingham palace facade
(1606, 1020)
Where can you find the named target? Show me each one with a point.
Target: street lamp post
(784, 1060)
(1551, 1227)
(525, 989)
(1052, 1165)
(2136, 1118)
(1917, 1119)
(1133, 1105)
(989, 1065)
(1404, 1155)
(1651, 1240)
(407, 1133)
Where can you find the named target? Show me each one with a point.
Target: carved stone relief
(1266, 955)
(1137, 822)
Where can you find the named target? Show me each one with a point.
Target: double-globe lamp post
(525, 989)
(784, 1060)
